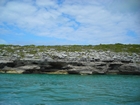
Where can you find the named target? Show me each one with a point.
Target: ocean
(49, 89)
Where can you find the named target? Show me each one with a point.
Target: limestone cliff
(54, 61)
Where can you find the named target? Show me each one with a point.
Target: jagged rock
(4, 63)
(61, 56)
(84, 62)
(100, 64)
(14, 57)
(29, 55)
(107, 60)
(49, 59)
(126, 61)
(130, 68)
(72, 59)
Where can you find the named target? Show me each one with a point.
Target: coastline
(65, 67)
(52, 61)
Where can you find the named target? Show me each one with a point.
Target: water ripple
(69, 89)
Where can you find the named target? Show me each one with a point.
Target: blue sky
(66, 22)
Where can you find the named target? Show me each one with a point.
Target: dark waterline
(42, 89)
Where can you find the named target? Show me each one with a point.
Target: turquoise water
(42, 89)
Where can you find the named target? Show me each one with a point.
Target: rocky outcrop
(68, 67)
(62, 62)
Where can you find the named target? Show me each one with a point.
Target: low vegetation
(32, 49)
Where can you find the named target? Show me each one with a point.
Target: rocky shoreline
(68, 67)
(63, 62)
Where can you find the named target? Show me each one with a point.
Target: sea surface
(43, 89)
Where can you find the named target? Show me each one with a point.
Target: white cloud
(46, 3)
(90, 22)
(123, 6)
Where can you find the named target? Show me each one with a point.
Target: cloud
(82, 21)
(46, 3)
(122, 6)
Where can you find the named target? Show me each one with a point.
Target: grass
(32, 49)
(130, 48)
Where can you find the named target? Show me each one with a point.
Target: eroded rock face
(84, 62)
(4, 63)
(68, 67)
(130, 68)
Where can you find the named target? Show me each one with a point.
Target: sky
(69, 22)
